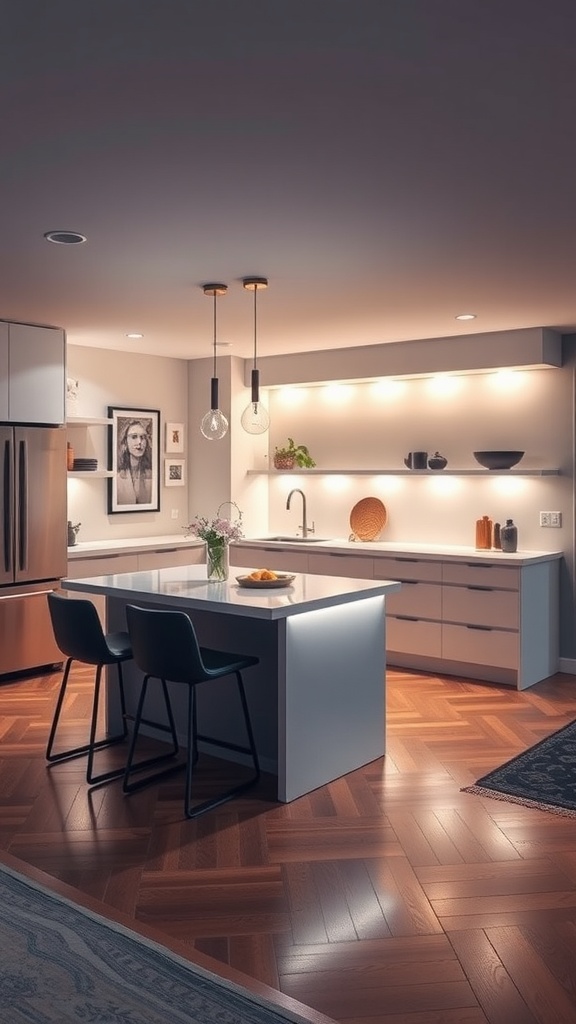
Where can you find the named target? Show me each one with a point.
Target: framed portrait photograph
(174, 440)
(134, 458)
(174, 472)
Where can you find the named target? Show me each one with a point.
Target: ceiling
(387, 164)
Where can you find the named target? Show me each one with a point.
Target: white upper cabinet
(32, 374)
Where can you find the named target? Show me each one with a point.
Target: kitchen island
(317, 697)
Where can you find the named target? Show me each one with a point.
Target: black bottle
(509, 536)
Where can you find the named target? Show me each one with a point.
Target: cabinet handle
(407, 618)
(471, 587)
(483, 629)
(165, 551)
(479, 565)
(406, 559)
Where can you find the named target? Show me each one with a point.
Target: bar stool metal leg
(93, 744)
(130, 767)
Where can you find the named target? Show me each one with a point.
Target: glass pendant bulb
(255, 418)
(214, 424)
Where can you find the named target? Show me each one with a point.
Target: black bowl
(498, 460)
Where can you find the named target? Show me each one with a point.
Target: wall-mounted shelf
(403, 472)
(94, 472)
(88, 421)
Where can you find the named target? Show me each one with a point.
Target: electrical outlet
(175, 513)
(553, 519)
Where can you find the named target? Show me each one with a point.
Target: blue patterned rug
(544, 776)
(61, 964)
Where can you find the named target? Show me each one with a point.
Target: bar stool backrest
(78, 630)
(165, 645)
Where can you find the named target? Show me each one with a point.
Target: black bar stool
(79, 635)
(165, 647)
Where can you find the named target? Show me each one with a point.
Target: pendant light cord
(214, 342)
(255, 331)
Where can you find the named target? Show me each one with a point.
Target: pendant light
(214, 424)
(255, 418)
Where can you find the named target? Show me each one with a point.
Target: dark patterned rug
(61, 964)
(544, 776)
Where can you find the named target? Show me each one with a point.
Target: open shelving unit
(89, 421)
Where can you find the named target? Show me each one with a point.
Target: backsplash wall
(373, 426)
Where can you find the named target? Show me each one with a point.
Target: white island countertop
(187, 586)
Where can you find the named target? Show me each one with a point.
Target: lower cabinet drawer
(269, 558)
(170, 557)
(413, 636)
(101, 565)
(481, 607)
(404, 568)
(416, 599)
(478, 574)
(480, 646)
(352, 566)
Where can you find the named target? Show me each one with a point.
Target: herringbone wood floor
(388, 897)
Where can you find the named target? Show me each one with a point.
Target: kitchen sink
(292, 540)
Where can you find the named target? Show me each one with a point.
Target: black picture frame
(135, 482)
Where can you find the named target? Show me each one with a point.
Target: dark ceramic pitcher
(416, 460)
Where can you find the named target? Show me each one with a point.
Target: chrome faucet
(304, 527)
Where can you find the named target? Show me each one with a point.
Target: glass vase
(217, 561)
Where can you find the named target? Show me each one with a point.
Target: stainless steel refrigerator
(33, 542)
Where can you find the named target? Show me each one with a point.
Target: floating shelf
(403, 472)
(93, 472)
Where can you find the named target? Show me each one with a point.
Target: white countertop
(395, 549)
(187, 587)
(167, 542)
(398, 549)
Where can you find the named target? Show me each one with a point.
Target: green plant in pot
(291, 455)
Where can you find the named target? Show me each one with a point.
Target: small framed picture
(134, 458)
(174, 472)
(174, 437)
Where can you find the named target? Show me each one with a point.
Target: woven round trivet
(368, 518)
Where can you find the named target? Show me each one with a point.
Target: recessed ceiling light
(134, 335)
(465, 316)
(65, 237)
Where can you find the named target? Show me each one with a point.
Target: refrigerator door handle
(7, 506)
(22, 505)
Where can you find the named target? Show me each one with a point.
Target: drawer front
(164, 559)
(481, 607)
(104, 565)
(476, 574)
(423, 600)
(352, 566)
(480, 646)
(413, 636)
(269, 558)
(406, 569)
